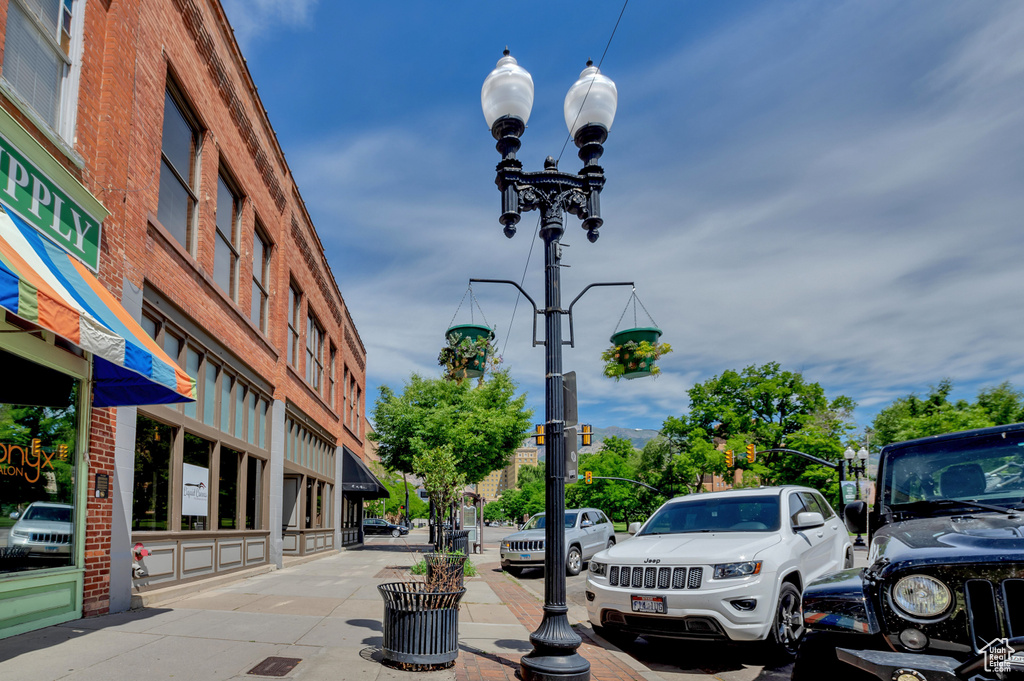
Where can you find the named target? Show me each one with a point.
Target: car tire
(817, 653)
(573, 561)
(616, 637)
(787, 625)
(611, 542)
(396, 532)
(848, 561)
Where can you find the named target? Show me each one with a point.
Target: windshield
(60, 514)
(537, 522)
(989, 468)
(721, 514)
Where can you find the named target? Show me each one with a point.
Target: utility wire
(564, 144)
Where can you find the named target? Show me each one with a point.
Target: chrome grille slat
(526, 546)
(651, 577)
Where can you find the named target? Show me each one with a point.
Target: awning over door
(356, 478)
(44, 285)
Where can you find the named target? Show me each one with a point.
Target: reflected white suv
(720, 566)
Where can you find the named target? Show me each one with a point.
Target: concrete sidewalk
(325, 613)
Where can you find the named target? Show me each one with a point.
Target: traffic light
(588, 432)
(588, 478)
(540, 434)
(728, 458)
(750, 452)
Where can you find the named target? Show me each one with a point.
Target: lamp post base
(572, 667)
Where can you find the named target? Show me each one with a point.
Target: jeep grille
(983, 611)
(527, 546)
(651, 577)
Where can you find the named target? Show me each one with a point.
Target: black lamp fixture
(507, 99)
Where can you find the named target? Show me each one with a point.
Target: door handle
(821, 533)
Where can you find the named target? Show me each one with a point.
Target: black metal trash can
(446, 564)
(420, 628)
(457, 540)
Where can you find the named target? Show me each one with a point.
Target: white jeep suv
(720, 566)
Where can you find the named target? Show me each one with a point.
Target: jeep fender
(837, 603)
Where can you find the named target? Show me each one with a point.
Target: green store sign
(42, 192)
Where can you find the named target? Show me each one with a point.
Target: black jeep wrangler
(943, 595)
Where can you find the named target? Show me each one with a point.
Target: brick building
(142, 115)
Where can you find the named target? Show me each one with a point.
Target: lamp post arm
(635, 482)
(525, 295)
(572, 333)
(823, 462)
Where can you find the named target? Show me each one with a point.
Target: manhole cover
(275, 666)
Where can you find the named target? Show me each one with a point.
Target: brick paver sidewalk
(604, 666)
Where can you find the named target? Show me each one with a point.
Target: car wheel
(614, 636)
(848, 562)
(611, 542)
(788, 624)
(396, 532)
(817, 653)
(573, 561)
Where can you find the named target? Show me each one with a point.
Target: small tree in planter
(421, 624)
(634, 353)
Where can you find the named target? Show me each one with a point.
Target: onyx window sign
(37, 467)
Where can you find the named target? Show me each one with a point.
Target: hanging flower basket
(634, 353)
(467, 350)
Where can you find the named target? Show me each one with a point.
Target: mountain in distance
(638, 436)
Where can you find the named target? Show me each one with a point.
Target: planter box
(421, 629)
(475, 368)
(643, 366)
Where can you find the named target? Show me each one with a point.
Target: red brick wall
(96, 592)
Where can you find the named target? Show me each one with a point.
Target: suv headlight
(744, 569)
(505, 544)
(20, 534)
(921, 596)
(598, 569)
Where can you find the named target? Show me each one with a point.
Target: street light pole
(507, 98)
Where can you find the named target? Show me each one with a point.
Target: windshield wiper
(947, 503)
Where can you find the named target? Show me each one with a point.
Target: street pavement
(325, 613)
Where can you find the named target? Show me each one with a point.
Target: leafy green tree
(763, 405)
(514, 504)
(493, 511)
(912, 417)
(482, 425)
(394, 483)
(616, 498)
(442, 478)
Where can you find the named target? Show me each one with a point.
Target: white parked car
(44, 528)
(719, 566)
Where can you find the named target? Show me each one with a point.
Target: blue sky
(836, 186)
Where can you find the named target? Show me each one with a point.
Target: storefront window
(37, 473)
(228, 491)
(195, 486)
(254, 495)
(151, 495)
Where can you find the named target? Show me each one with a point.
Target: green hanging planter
(634, 353)
(474, 368)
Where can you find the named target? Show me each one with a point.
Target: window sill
(186, 257)
(294, 373)
(49, 133)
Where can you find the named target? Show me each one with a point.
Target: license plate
(50, 549)
(524, 556)
(655, 604)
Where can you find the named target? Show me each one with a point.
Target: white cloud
(834, 189)
(252, 19)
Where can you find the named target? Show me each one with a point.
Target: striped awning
(42, 284)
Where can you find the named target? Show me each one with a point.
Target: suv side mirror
(634, 528)
(585, 524)
(808, 520)
(856, 515)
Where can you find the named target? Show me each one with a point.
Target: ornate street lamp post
(856, 470)
(507, 98)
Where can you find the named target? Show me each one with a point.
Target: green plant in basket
(633, 359)
(466, 357)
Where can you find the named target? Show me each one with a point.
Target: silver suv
(587, 531)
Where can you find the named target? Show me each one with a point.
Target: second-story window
(37, 59)
(225, 257)
(314, 353)
(294, 309)
(260, 282)
(179, 150)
